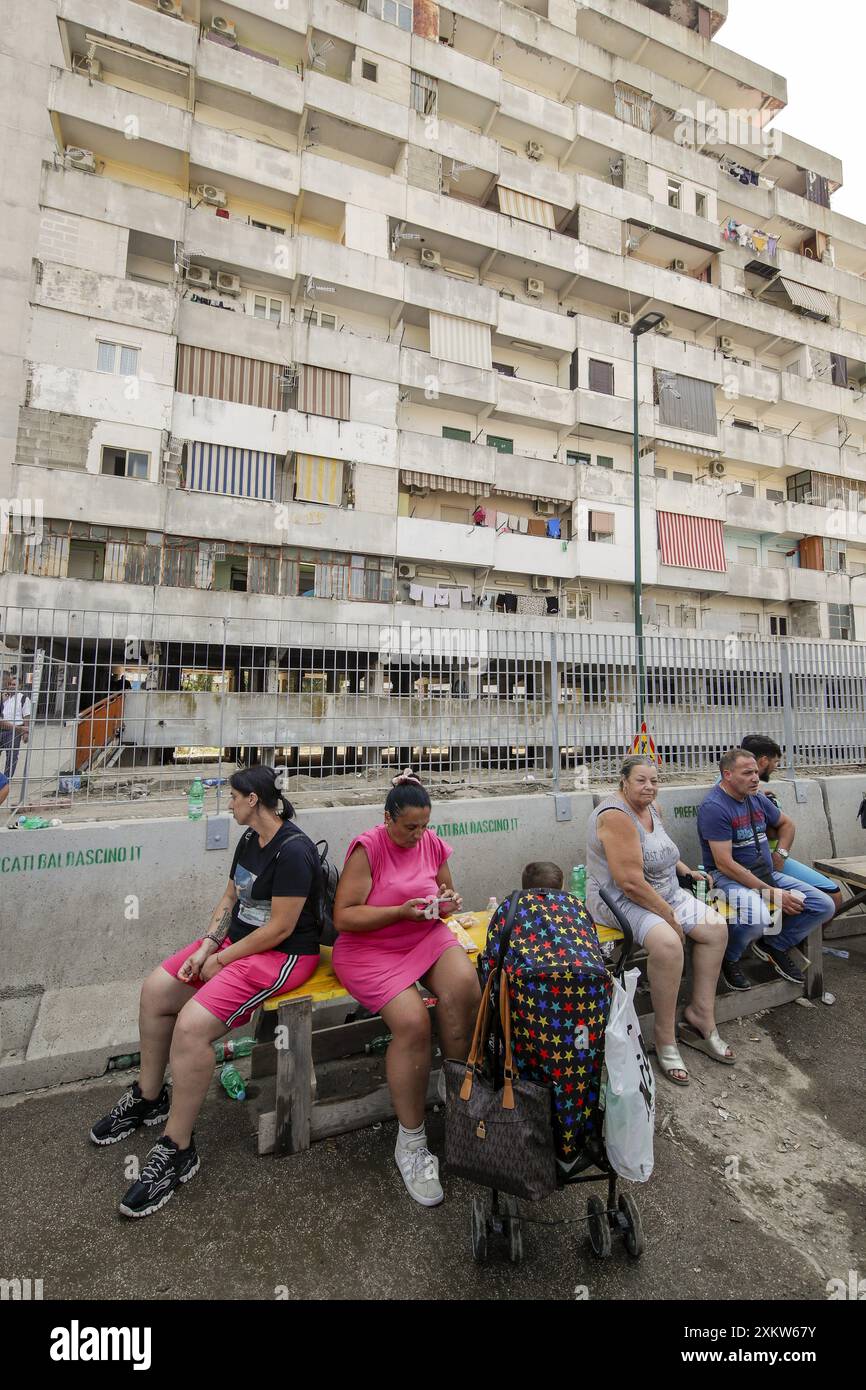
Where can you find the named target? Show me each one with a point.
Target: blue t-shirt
(4, 781)
(721, 817)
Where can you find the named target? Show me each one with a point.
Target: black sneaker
(166, 1167)
(734, 976)
(781, 961)
(130, 1112)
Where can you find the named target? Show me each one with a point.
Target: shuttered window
(223, 376)
(318, 480)
(324, 392)
(528, 209)
(692, 542)
(686, 403)
(601, 376)
(633, 106)
(455, 339)
(232, 472)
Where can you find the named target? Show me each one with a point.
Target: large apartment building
(321, 311)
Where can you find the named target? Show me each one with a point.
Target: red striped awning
(692, 542)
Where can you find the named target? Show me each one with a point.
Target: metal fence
(121, 707)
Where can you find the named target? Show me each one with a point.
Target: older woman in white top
(631, 855)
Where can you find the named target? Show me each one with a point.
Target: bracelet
(209, 936)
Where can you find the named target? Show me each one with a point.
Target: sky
(818, 45)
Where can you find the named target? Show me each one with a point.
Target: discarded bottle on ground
(378, 1045)
(232, 1082)
(195, 800)
(577, 886)
(233, 1047)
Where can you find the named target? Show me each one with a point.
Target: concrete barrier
(842, 797)
(88, 910)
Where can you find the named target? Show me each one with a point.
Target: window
(633, 106)
(393, 12)
(503, 446)
(424, 91)
(504, 369)
(318, 318)
(774, 495)
(125, 463)
(464, 436)
(778, 627)
(747, 555)
(800, 487)
(306, 581)
(747, 489)
(601, 376)
(700, 205)
(834, 556)
(114, 357)
(601, 526)
(776, 559)
(602, 461)
(663, 614)
(675, 192)
(750, 622)
(660, 472)
(266, 306)
(841, 620)
(576, 458)
(369, 71)
(86, 559)
(682, 477)
(688, 616)
(267, 227)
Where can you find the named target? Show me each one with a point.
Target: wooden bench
(289, 1047)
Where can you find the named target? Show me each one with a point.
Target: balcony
(816, 586)
(100, 395)
(758, 582)
(108, 200)
(106, 297)
(260, 90)
(135, 24)
(99, 117)
(242, 166)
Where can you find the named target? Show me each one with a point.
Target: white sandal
(714, 1046)
(669, 1061)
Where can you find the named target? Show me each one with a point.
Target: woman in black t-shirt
(263, 939)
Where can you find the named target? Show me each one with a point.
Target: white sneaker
(419, 1170)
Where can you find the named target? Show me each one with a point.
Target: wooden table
(851, 873)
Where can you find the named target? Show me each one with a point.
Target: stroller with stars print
(546, 953)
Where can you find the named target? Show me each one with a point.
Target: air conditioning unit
(540, 583)
(174, 7)
(543, 508)
(198, 275)
(229, 284)
(623, 319)
(429, 257)
(89, 67)
(726, 344)
(406, 571)
(716, 469)
(534, 150)
(227, 27)
(209, 193)
(678, 266)
(665, 328)
(77, 158)
(534, 288)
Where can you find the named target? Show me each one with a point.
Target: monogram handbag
(501, 1139)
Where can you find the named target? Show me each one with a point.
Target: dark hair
(761, 746)
(406, 790)
(729, 760)
(542, 875)
(266, 784)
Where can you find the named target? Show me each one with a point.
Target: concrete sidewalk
(336, 1222)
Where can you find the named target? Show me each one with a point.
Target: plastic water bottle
(195, 800)
(577, 886)
(232, 1082)
(701, 887)
(492, 904)
(233, 1047)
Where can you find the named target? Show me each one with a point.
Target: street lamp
(644, 325)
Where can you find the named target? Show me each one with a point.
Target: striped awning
(231, 472)
(224, 376)
(318, 479)
(438, 482)
(455, 339)
(688, 448)
(692, 542)
(322, 391)
(528, 496)
(527, 208)
(805, 297)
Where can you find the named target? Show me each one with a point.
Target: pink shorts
(237, 990)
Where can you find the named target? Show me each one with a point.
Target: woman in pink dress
(387, 944)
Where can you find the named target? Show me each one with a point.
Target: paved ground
(336, 1223)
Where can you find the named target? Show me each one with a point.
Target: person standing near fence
(13, 724)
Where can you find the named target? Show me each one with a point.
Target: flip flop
(713, 1046)
(669, 1061)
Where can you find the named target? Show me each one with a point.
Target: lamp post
(644, 325)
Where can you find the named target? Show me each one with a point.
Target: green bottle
(577, 887)
(233, 1047)
(701, 887)
(195, 800)
(232, 1082)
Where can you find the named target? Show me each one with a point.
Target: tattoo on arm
(221, 929)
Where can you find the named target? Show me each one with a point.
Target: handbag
(498, 1138)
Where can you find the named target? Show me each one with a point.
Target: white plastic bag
(628, 1087)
